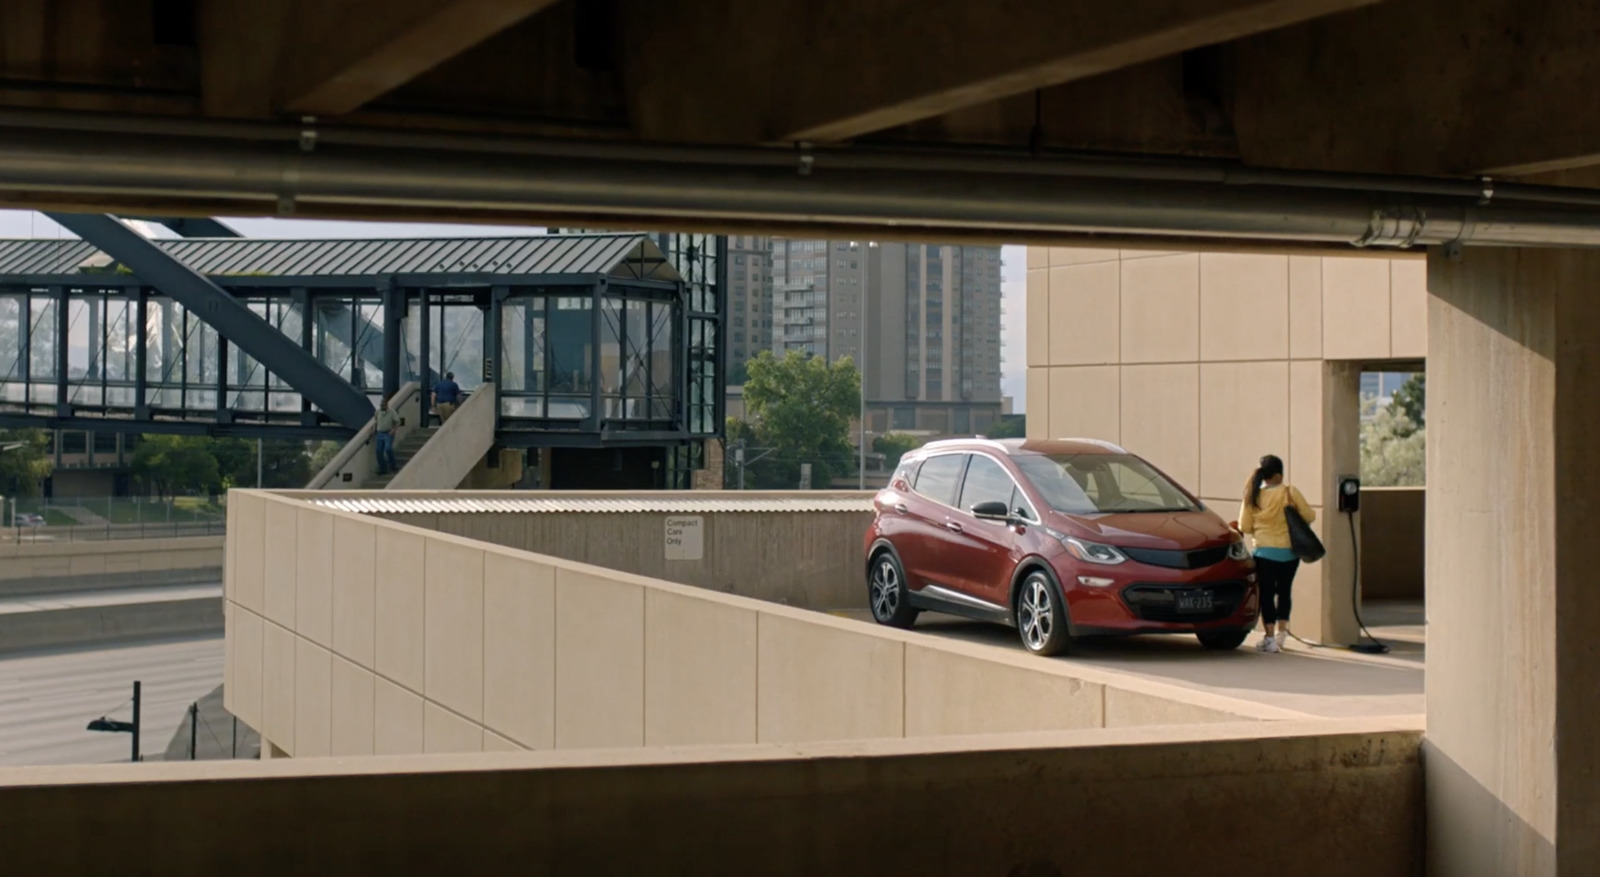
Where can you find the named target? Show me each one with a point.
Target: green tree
(1412, 400)
(1393, 450)
(1010, 426)
(800, 407)
(24, 462)
(174, 464)
(894, 445)
(286, 462)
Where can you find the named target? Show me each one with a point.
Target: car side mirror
(992, 511)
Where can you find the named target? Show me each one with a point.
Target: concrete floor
(1325, 682)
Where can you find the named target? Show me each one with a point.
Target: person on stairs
(446, 396)
(1262, 516)
(384, 426)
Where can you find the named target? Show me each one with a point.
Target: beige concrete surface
(545, 652)
(1203, 362)
(1084, 802)
(1322, 682)
(1513, 672)
(816, 564)
(42, 567)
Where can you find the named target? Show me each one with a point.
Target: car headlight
(1093, 552)
(1237, 551)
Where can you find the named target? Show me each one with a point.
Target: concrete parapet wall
(1346, 795)
(453, 452)
(812, 560)
(352, 635)
(44, 567)
(1393, 542)
(85, 625)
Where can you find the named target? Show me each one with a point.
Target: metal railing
(83, 519)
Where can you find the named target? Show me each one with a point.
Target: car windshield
(1086, 484)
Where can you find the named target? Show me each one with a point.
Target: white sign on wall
(685, 538)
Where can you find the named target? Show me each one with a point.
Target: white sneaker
(1272, 646)
(1282, 637)
(1265, 644)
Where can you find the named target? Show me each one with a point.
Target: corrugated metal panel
(614, 254)
(478, 505)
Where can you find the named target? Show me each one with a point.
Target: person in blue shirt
(446, 396)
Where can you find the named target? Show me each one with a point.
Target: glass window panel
(663, 371)
(636, 346)
(11, 337)
(612, 361)
(42, 338)
(571, 345)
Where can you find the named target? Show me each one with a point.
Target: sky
(1013, 329)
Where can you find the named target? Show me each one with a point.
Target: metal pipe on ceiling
(322, 176)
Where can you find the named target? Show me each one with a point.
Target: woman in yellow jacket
(1262, 517)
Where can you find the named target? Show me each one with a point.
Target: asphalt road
(47, 698)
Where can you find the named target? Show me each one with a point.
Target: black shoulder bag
(1302, 540)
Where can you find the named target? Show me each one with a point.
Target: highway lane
(47, 698)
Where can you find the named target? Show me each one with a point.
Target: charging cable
(1373, 645)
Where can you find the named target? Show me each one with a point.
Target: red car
(1060, 539)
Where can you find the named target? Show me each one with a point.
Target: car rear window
(937, 478)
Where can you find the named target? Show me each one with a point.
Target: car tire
(887, 595)
(1041, 616)
(1222, 640)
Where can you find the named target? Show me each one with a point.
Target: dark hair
(449, 376)
(1270, 467)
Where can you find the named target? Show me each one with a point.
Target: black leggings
(1276, 578)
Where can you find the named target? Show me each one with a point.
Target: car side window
(938, 477)
(986, 481)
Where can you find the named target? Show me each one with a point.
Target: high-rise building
(922, 321)
(749, 294)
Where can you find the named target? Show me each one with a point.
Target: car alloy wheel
(886, 593)
(1041, 620)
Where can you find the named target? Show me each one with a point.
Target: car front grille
(1197, 559)
(1153, 602)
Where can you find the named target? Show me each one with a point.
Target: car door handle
(952, 526)
(900, 508)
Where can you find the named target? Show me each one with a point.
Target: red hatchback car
(1061, 539)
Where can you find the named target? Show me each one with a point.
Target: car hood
(1173, 531)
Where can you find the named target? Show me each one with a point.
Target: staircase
(403, 452)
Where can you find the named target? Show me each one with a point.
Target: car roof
(1019, 447)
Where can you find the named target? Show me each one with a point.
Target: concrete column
(1513, 587)
(1323, 608)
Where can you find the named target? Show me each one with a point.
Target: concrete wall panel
(352, 728)
(821, 681)
(281, 561)
(1126, 708)
(453, 627)
(313, 600)
(1038, 317)
(1393, 542)
(1244, 413)
(1080, 256)
(493, 742)
(599, 661)
(1244, 307)
(951, 693)
(397, 720)
(399, 634)
(1084, 314)
(1038, 400)
(246, 684)
(1085, 402)
(1161, 315)
(1161, 416)
(1355, 308)
(355, 577)
(519, 649)
(278, 687)
(1408, 308)
(1305, 307)
(700, 671)
(444, 731)
(248, 530)
(313, 700)
(1304, 459)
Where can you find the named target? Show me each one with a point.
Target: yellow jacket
(1267, 523)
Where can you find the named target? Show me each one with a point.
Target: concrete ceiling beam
(264, 57)
(1435, 87)
(834, 70)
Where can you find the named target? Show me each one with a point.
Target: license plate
(1194, 601)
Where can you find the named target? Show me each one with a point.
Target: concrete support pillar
(1513, 588)
(1323, 610)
